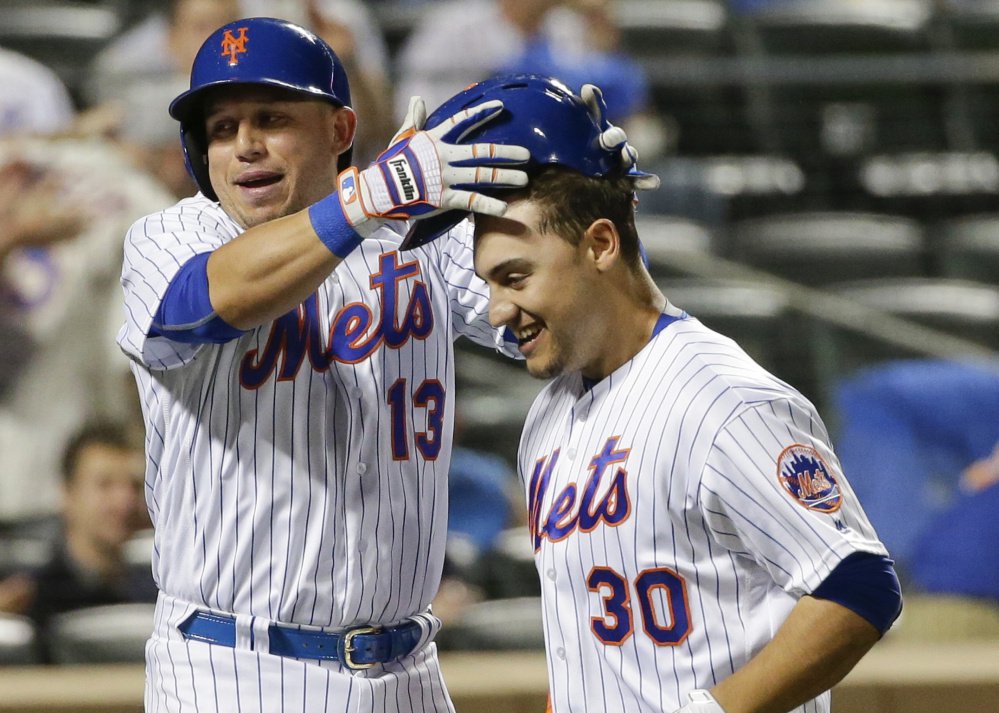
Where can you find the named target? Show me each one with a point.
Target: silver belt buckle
(348, 647)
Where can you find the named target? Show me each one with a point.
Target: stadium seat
(62, 34)
(817, 248)
(115, 633)
(835, 26)
(721, 188)
(18, 641)
(931, 185)
(971, 24)
(968, 248)
(958, 308)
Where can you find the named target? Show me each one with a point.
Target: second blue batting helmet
(544, 116)
(255, 51)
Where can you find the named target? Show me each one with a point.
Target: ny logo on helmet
(234, 46)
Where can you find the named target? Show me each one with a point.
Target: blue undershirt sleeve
(186, 313)
(867, 585)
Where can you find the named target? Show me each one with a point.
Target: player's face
(542, 288)
(103, 498)
(271, 152)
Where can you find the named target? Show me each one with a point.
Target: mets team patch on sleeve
(807, 478)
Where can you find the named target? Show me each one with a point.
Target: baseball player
(297, 384)
(698, 545)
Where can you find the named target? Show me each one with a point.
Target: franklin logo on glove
(404, 178)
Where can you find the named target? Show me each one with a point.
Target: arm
(271, 268)
(818, 644)
(268, 270)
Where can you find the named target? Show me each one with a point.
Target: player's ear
(344, 128)
(603, 243)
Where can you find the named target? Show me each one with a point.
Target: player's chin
(542, 368)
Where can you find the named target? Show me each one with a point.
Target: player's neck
(628, 326)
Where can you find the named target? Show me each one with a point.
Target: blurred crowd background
(830, 200)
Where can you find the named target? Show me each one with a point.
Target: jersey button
(362, 468)
(551, 574)
(560, 652)
(571, 453)
(355, 392)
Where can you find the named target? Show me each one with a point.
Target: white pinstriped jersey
(678, 510)
(297, 473)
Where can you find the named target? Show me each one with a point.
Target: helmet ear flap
(196, 159)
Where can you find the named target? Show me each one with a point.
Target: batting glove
(701, 702)
(614, 137)
(422, 173)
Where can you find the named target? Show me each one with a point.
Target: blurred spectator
(102, 510)
(458, 43)
(64, 205)
(133, 80)
(33, 100)
(908, 431)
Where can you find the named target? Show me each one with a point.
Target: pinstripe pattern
(701, 427)
(275, 490)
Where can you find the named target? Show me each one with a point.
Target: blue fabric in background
(479, 502)
(958, 552)
(621, 79)
(907, 430)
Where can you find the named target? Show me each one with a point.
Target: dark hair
(570, 202)
(105, 433)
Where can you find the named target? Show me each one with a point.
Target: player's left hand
(701, 702)
(425, 172)
(614, 137)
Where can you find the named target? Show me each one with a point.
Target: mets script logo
(354, 333)
(571, 510)
(808, 479)
(233, 46)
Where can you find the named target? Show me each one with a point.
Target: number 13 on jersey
(428, 397)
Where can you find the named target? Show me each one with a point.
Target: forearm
(268, 270)
(818, 644)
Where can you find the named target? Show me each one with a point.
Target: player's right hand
(425, 172)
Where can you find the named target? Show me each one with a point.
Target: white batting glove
(701, 702)
(421, 175)
(612, 137)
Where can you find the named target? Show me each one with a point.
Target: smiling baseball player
(296, 373)
(698, 545)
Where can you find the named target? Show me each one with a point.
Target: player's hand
(614, 137)
(423, 173)
(701, 702)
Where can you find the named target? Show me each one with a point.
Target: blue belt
(357, 648)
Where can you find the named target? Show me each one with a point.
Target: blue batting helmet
(539, 113)
(255, 51)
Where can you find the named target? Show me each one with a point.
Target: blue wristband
(332, 226)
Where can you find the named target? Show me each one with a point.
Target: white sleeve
(772, 489)
(468, 294)
(155, 249)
